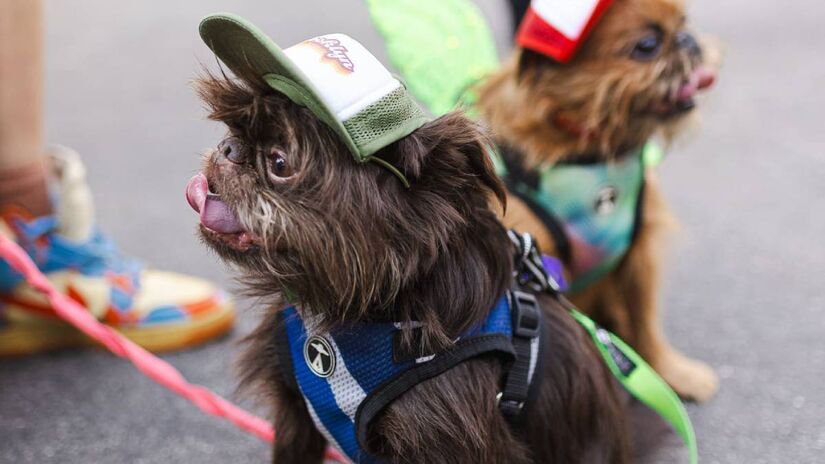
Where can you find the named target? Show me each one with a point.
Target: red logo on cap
(334, 52)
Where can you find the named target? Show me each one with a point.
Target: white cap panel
(346, 75)
(569, 17)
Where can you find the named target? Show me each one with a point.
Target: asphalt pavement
(743, 288)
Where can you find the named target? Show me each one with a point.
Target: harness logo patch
(606, 199)
(319, 356)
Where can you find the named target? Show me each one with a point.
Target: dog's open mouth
(683, 98)
(218, 220)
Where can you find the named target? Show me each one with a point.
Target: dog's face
(639, 70)
(282, 198)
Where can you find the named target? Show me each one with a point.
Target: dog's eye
(647, 48)
(278, 164)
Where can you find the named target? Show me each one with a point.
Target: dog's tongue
(196, 191)
(701, 78)
(214, 213)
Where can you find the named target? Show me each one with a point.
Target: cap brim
(254, 57)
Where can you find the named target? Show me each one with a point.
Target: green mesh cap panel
(391, 118)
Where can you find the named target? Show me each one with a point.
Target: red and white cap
(557, 28)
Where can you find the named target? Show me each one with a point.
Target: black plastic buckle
(526, 316)
(509, 408)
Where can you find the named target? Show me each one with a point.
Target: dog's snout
(686, 41)
(232, 149)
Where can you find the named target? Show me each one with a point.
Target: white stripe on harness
(534, 357)
(348, 393)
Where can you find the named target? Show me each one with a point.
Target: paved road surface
(745, 276)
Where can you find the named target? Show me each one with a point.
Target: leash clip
(530, 271)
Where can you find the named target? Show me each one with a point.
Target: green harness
(595, 219)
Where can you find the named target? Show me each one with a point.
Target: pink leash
(153, 367)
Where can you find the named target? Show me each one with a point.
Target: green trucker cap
(332, 75)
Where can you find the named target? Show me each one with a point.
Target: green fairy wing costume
(440, 47)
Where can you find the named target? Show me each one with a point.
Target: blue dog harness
(347, 377)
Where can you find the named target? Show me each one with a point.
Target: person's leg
(23, 171)
(157, 310)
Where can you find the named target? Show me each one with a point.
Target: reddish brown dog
(634, 77)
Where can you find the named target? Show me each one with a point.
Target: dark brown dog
(633, 78)
(351, 244)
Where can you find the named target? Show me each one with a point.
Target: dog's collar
(572, 127)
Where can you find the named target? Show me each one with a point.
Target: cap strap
(386, 164)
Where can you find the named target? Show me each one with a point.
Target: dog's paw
(692, 380)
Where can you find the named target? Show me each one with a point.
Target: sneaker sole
(25, 339)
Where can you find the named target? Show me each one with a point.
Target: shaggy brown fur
(352, 244)
(608, 101)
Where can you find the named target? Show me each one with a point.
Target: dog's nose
(686, 41)
(233, 150)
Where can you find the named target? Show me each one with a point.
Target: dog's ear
(449, 154)
(445, 227)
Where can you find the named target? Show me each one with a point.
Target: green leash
(641, 380)
(539, 273)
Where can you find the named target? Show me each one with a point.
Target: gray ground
(744, 279)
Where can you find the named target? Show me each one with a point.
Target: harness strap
(529, 275)
(465, 349)
(526, 328)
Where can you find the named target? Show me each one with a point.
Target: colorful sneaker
(158, 310)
